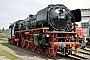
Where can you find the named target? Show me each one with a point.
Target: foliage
(2, 33)
(3, 30)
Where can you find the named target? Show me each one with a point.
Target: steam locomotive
(50, 31)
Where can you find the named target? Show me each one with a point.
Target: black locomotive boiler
(57, 17)
(50, 30)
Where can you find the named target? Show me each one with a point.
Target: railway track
(86, 49)
(84, 54)
(75, 56)
(81, 55)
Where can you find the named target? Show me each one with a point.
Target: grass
(4, 38)
(11, 46)
(7, 54)
(2, 42)
(6, 44)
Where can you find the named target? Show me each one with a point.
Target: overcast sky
(13, 10)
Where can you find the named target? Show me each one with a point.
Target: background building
(85, 20)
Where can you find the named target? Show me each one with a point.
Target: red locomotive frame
(50, 50)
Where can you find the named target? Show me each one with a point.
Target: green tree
(2, 34)
(0, 31)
